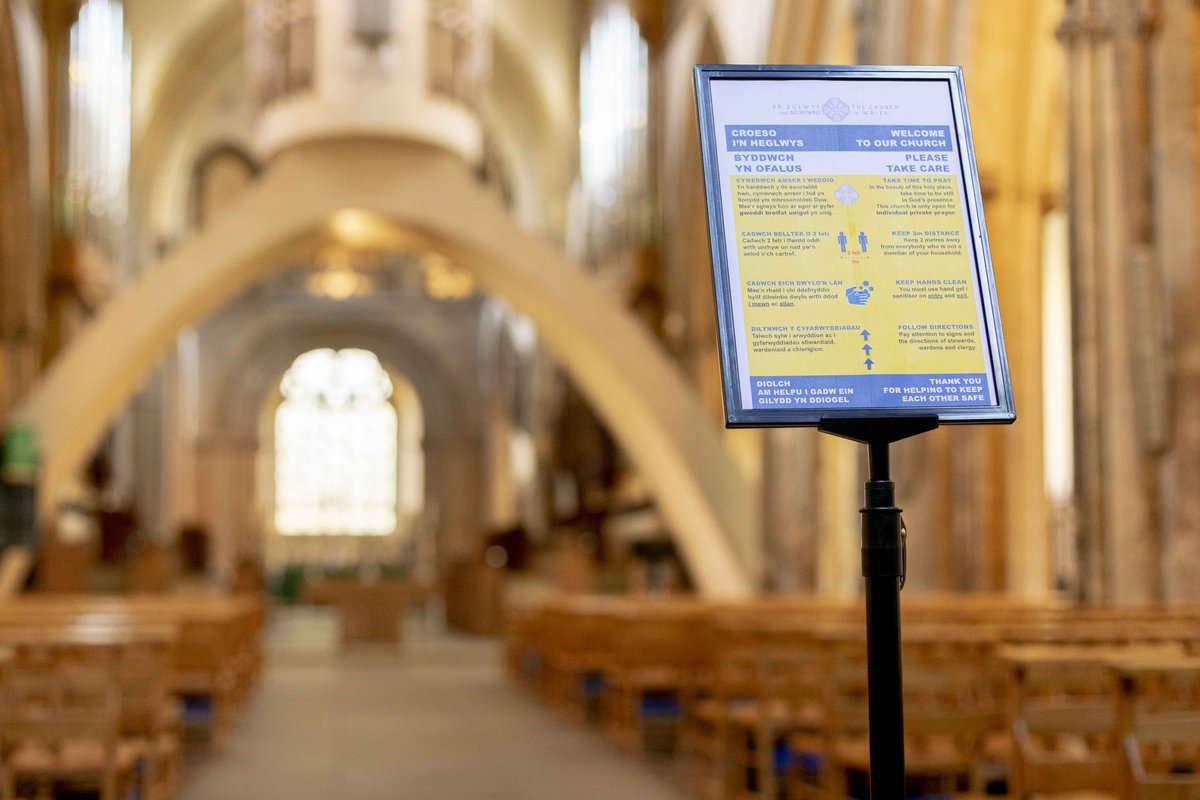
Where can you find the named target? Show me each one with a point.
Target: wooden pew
(577, 656)
(661, 656)
(217, 659)
(772, 675)
(61, 661)
(525, 629)
(1063, 709)
(63, 729)
(718, 670)
(1159, 718)
(950, 713)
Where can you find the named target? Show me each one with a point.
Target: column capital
(1083, 25)
(1093, 24)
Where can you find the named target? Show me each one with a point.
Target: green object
(290, 584)
(19, 461)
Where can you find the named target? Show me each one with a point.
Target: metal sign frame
(730, 294)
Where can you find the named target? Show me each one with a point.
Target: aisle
(436, 721)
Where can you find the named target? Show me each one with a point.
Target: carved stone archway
(453, 466)
(424, 195)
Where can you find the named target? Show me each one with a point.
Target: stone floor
(434, 721)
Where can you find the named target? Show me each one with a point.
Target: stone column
(454, 487)
(1120, 295)
(149, 462)
(22, 242)
(226, 486)
(1175, 108)
(955, 484)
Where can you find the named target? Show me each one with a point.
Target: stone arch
(247, 379)
(452, 468)
(432, 195)
(451, 427)
(214, 45)
(212, 157)
(229, 473)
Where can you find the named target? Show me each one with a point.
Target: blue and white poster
(849, 252)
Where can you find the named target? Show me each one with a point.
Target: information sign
(851, 265)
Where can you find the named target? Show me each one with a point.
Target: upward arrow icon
(866, 334)
(867, 349)
(869, 363)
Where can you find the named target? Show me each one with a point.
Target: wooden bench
(1159, 719)
(577, 656)
(63, 729)
(215, 663)
(723, 669)
(1064, 713)
(660, 656)
(525, 628)
(59, 669)
(770, 678)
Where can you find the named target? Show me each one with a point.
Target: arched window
(335, 446)
(97, 127)
(614, 147)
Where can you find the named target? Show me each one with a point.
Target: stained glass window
(614, 104)
(98, 107)
(335, 446)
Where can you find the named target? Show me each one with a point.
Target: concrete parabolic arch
(425, 193)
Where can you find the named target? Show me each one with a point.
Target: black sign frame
(738, 413)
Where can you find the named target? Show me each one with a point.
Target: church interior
(363, 430)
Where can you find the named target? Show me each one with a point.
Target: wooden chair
(577, 659)
(1162, 754)
(151, 714)
(1159, 715)
(1063, 716)
(770, 677)
(790, 682)
(821, 761)
(733, 685)
(658, 654)
(949, 713)
(63, 728)
(206, 680)
(136, 660)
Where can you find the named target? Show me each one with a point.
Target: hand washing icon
(859, 295)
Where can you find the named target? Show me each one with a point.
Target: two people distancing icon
(843, 240)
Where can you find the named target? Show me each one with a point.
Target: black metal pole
(882, 566)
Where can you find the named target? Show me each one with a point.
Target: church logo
(836, 109)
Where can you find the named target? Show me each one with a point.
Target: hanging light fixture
(445, 280)
(373, 23)
(337, 279)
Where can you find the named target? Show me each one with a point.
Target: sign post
(854, 290)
